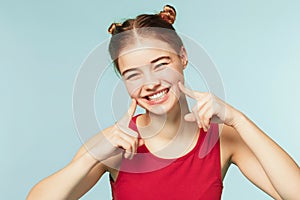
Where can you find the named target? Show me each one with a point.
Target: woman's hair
(158, 26)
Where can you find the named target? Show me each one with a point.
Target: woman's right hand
(86, 168)
(116, 139)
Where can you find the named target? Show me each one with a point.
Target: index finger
(125, 120)
(187, 91)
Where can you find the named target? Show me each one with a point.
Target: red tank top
(194, 176)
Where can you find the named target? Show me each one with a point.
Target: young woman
(169, 152)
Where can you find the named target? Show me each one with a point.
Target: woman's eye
(131, 76)
(160, 65)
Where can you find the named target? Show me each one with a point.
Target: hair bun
(168, 14)
(113, 27)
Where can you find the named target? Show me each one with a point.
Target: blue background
(254, 44)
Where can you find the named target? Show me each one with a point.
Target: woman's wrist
(237, 118)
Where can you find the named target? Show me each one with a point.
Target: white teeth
(157, 96)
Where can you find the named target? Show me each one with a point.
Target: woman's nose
(151, 82)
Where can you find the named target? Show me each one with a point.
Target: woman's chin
(159, 109)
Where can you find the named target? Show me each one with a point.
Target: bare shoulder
(229, 140)
(232, 145)
(229, 137)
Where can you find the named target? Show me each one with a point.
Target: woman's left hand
(208, 108)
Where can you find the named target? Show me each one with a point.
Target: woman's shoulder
(229, 140)
(112, 165)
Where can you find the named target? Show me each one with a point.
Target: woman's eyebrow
(160, 58)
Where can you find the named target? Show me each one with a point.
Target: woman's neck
(169, 135)
(167, 126)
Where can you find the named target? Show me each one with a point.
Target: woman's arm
(245, 160)
(280, 168)
(72, 181)
(85, 169)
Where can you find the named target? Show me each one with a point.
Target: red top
(196, 175)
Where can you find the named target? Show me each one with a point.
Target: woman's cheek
(133, 89)
(172, 76)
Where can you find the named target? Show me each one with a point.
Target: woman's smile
(158, 97)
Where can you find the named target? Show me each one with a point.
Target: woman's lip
(153, 102)
(147, 96)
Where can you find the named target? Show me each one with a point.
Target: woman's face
(151, 70)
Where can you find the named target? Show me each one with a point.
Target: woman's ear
(183, 57)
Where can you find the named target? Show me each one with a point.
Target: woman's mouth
(158, 97)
